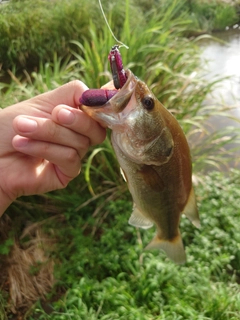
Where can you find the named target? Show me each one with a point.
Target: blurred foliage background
(101, 270)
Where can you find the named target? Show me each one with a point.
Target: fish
(155, 161)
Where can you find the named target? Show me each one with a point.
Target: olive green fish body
(154, 156)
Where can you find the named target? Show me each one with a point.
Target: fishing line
(113, 35)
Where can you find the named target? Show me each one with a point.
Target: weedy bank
(101, 271)
(109, 276)
(30, 30)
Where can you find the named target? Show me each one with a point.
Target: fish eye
(148, 103)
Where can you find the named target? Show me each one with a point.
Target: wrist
(5, 201)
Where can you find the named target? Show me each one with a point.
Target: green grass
(108, 275)
(162, 57)
(213, 15)
(46, 26)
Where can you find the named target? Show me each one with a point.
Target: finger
(66, 159)
(49, 131)
(68, 94)
(79, 122)
(109, 86)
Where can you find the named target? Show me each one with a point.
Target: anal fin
(191, 210)
(138, 220)
(174, 248)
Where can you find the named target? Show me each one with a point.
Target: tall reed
(169, 63)
(160, 55)
(31, 29)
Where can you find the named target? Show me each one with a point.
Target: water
(224, 61)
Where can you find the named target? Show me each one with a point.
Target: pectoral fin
(138, 220)
(173, 248)
(191, 210)
(123, 174)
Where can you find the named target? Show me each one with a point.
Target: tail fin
(174, 248)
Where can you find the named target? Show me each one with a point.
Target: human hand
(43, 141)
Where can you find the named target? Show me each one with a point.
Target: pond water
(224, 61)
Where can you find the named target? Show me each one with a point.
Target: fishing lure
(118, 73)
(98, 97)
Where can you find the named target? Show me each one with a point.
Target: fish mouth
(113, 113)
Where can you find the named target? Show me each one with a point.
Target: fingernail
(26, 125)
(65, 116)
(20, 142)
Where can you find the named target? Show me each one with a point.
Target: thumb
(67, 94)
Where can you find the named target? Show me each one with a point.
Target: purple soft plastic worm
(118, 73)
(96, 97)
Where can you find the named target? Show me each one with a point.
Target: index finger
(80, 122)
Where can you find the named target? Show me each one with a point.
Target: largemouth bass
(155, 160)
